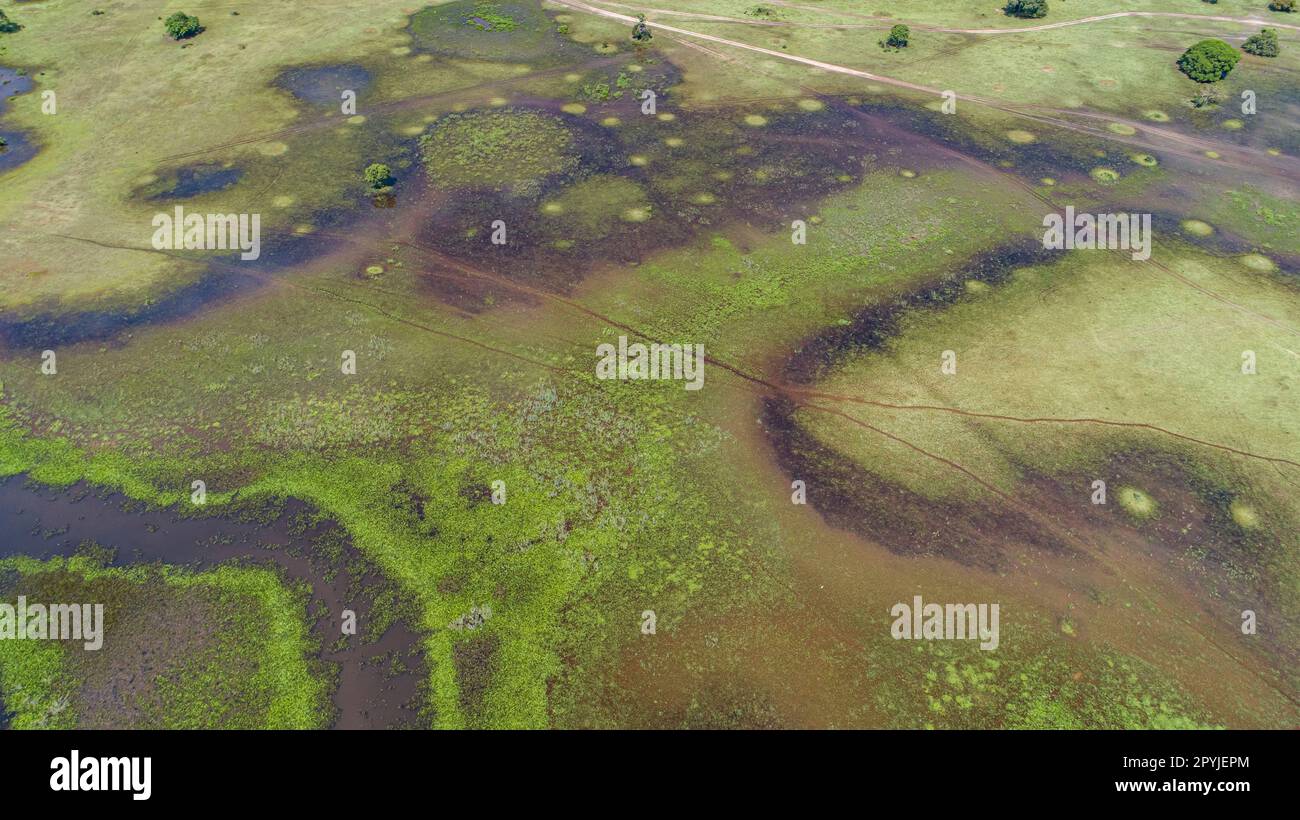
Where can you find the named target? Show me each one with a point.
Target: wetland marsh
(396, 411)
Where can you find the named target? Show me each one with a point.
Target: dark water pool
(42, 522)
(324, 85)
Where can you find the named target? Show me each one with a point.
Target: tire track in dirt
(886, 21)
(1047, 420)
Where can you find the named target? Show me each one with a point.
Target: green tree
(1263, 44)
(7, 26)
(640, 31)
(181, 25)
(378, 175)
(897, 37)
(1026, 8)
(1282, 5)
(1208, 61)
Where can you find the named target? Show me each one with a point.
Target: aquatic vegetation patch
(223, 648)
(486, 18)
(554, 237)
(512, 150)
(589, 209)
(501, 31)
(1050, 687)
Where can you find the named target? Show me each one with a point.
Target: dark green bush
(1026, 8)
(1263, 44)
(181, 26)
(1208, 61)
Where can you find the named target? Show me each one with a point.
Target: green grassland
(72, 227)
(625, 496)
(1108, 65)
(1104, 339)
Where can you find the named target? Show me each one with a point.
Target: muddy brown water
(41, 522)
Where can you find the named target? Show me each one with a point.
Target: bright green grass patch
(1106, 176)
(1137, 503)
(1244, 514)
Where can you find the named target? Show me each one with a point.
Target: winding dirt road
(577, 5)
(886, 22)
(1147, 135)
(1098, 17)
